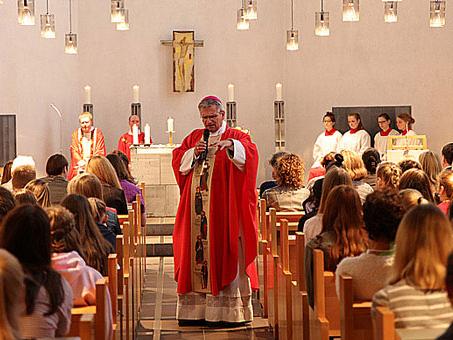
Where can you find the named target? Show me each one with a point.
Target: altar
(151, 164)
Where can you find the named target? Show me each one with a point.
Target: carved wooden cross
(183, 44)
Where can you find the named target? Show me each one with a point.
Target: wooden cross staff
(183, 44)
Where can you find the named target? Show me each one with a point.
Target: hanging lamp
(391, 11)
(47, 24)
(70, 39)
(26, 12)
(351, 10)
(437, 13)
(292, 35)
(124, 26)
(322, 28)
(251, 10)
(242, 23)
(117, 11)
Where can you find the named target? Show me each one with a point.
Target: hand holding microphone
(201, 148)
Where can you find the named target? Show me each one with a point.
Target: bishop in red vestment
(221, 164)
(86, 142)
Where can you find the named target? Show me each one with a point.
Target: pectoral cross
(183, 44)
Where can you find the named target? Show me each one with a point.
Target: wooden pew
(272, 268)
(113, 288)
(355, 317)
(265, 256)
(82, 326)
(325, 316)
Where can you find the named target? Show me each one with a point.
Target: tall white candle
(135, 134)
(87, 90)
(230, 92)
(147, 134)
(136, 95)
(278, 90)
(170, 127)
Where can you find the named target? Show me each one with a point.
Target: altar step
(159, 240)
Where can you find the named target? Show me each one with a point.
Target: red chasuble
(125, 142)
(233, 199)
(97, 148)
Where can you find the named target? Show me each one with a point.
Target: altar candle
(170, 124)
(135, 134)
(278, 90)
(147, 134)
(135, 92)
(87, 90)
(230, 92)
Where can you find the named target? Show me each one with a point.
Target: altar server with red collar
(356, 139)
(404, 122)
(380, 139)
(327, 141)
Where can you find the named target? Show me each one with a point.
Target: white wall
(364, 63)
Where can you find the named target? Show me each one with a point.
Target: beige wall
(364, 63)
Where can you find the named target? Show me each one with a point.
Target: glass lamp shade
(292, 40)
(70, 43)
(351, 10)
(251, 10)
(124, 26)
(437, 13)
(117, 11)
(26, 12)
(48, 26)
(322, 24)
(242, 23)
(391, 11)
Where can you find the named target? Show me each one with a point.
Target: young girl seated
(99, 213)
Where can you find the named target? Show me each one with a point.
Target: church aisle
(159, 310)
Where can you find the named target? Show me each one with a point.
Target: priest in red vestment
(126, 139)
(87, 141)
(215, 169)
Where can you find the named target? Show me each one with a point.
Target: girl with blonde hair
(355, 167)
(432, 167)
(416, 292)
(111, 188)
(388, 176)
(404, 122)
(11, 290)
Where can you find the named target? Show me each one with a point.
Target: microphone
(204, 154)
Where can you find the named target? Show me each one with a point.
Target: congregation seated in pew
(370, 271)
(273, 162)
(416, 292)
(353, 164)
(289, 194)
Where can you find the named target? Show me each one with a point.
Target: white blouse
(323, 145)
(357, 142)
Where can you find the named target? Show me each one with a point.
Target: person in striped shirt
(416, 293)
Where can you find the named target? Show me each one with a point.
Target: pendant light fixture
(437, 13)
(351, 10)
(70, 39)
(391, 11)
(26, 12)
(124, 26)
(48, 24)
(322, 28)
(251, 10)
(292, 36)
(117, 11)
(243, 23)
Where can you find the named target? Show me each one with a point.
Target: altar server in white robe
(357, 139)
(327, 141)
(381, 138)
(404, 122)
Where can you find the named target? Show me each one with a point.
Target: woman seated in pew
(334, 177)
(371, 159)
(416, 292)
(11, 295)
(342, 233)
(448, 335)
(88, 185)
(353, 164)
(99, 213)
(97, 248)
(418, 180)
(432, 167)
(410, 198)
(127, 183)
(25, 233)
(371, 270)
(273, 163)
(67, 260)
(388, 176)
(112, 192)
(289, 193)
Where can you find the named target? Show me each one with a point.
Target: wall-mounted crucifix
(183, 44)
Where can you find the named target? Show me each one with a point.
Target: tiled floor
(159, 309)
